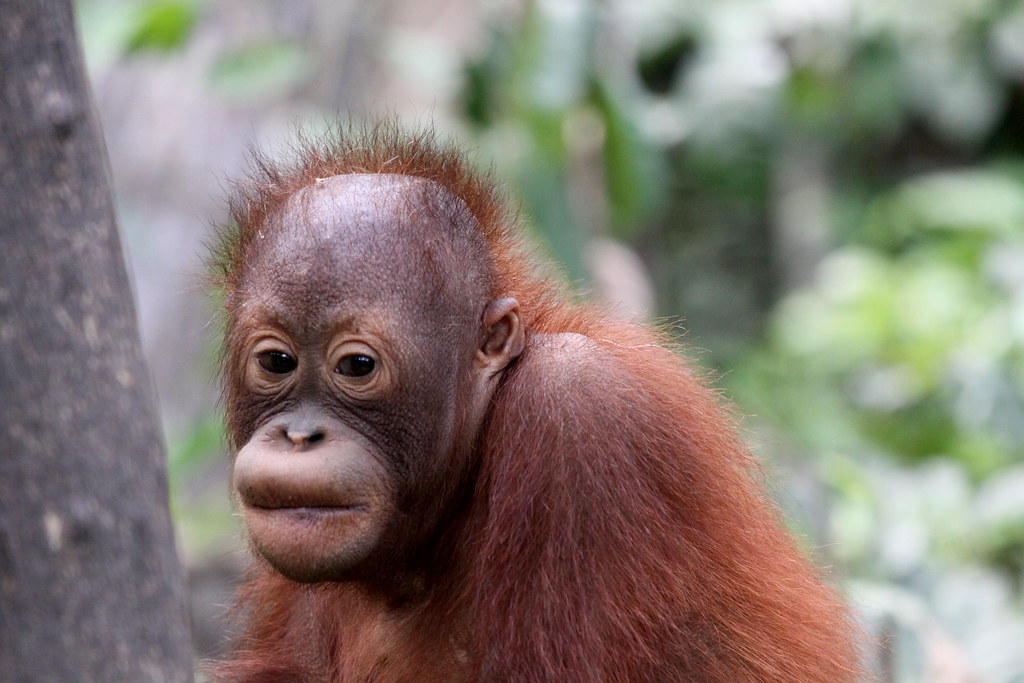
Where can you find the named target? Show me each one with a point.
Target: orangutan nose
(304, 433)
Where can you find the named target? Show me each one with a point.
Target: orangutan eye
(356, 365)
(276, 362)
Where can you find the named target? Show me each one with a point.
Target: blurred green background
(826, 195)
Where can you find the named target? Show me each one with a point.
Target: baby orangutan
(449, 471)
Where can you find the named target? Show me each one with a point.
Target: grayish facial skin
(366, 352)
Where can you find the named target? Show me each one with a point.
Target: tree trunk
(91, 588)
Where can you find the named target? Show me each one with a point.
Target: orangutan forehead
(370, 237)
(388, 220)
(383, 185)
(383, 204)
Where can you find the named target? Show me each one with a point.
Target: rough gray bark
(90, 584)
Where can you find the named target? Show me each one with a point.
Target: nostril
(303, 436)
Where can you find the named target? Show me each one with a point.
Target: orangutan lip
(356, 507)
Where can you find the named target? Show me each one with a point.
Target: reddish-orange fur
(615, 531)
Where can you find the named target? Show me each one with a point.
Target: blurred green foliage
(200, 512)
(114, 29)
(910, 337)
(257, 72)
(898, 371)
(161, 25)
(540, 85)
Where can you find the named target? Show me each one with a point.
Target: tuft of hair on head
(346, 148)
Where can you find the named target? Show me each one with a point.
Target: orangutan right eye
(276, 362)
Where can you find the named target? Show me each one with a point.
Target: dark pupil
(276, 362)
(356, 365)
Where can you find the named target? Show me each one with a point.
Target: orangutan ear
(503, 336)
